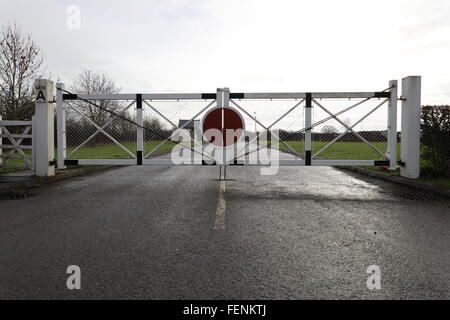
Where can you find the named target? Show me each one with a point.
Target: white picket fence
(12, 143)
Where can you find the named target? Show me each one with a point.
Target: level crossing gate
(290, 129)
(310, 129)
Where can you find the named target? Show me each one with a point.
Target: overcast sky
(247, 45)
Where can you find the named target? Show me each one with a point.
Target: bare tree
(21, 62)
(329, 129)
(347, 122)
(154, 124)
(91, 82)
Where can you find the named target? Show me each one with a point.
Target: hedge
(435, 126)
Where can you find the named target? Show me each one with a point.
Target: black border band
(70, 162)
(308, 158)
(209, 95)
(382, 163)
(237, 96)
(308, 100)
(382, 94)
(139, 158)
(138, 101)
(69, 96)
(204, 163)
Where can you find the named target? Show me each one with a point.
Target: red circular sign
(212, 122)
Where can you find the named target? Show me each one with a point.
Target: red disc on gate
(212, 124)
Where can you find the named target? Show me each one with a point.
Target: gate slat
(23, 136)
(14, 157)
(15, 165)
(12, 123)
(9, 146)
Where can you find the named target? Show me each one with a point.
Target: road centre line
(219, 223)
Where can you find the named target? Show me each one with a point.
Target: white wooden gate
(17, 144)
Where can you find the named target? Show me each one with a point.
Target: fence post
(308, 131)
(219, 104)
(410, 139)
(231, 155)
(1, 142)
(139, 130)
(60, 125)
(33, 143)
(392, 125)
(44, 120)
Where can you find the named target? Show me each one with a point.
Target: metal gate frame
(225, 99)
(311, 100)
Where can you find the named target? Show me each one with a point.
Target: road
(179, 233)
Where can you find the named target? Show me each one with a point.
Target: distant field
(106, 151)
(341, 150)
(113, 151)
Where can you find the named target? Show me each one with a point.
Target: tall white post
(198, 143)
(139, 130)
(308, 131)
(219, 104)
(392, 125)
(61, 125)
(33, 143)
(226, 104)
(410, 140)
(44, 120)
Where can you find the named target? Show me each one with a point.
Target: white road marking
(219, 224)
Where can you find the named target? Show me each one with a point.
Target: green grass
(106, 151)
(113, 151)
(359, 151)
(6, 170)
(439, 182)
(341, 150)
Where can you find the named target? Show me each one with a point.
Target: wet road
(177, 232)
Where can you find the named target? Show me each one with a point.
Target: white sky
(247, 45)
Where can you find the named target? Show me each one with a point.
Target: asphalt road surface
(179, 233)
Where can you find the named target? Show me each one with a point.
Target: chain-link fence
(162, 118)
(92, 133)
(359, 134)
(342, 129)
(275, 124)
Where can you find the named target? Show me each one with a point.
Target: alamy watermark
(74, 280)
(73, 17)
(213, 147)
(374, 281)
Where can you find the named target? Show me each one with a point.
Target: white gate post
(139, 130)
(60, 125)
(44, 119)
(33, 143)
(198, 143)
(410, 139)
(392, 125)
(308, 131)
(219, 104)
(226, 104)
